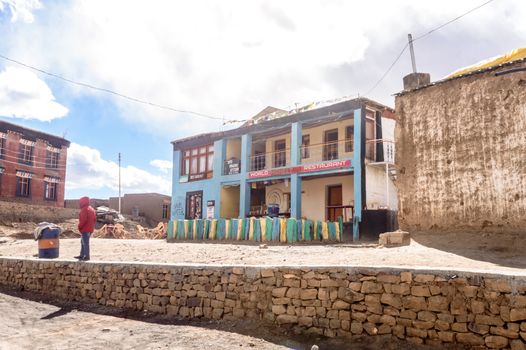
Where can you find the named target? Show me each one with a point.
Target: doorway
(334, 202)
(330, 145)
(194, 205)
(280, 157)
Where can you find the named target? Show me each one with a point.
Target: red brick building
(32, 166)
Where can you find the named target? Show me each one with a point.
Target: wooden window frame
(52, 159)
(165, 211)
(332, 147)
(23, 183)
(349, 138)
(305, 143)
(370, 147)
(196, 154)
(26, 154)
(50, 187)
(280, 155)
(2, 147)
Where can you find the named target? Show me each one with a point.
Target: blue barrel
(48, 244)
(273, 210)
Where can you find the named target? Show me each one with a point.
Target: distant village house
(154, 207)
(32, 166)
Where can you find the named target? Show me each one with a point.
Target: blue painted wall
(212, 187)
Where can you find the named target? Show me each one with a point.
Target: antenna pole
(413, 61)
(119, 182)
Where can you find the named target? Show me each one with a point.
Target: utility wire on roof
(421, 37)
(134, 99)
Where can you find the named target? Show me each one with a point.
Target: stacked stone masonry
(431, 307)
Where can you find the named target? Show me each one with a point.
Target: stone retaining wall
(432, 307)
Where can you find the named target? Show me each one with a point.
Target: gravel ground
(486, 252)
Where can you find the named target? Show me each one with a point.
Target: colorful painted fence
(256, 229)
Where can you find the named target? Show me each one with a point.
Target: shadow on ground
(268, 332)
(500, 248)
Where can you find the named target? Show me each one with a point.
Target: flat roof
(33, 134)
(461, 76)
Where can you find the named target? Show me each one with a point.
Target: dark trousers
(84, 244)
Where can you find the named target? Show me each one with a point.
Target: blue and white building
(318, 163)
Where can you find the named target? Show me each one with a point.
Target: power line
(452, 20)
(421, 37)
(388, 70)
(130, 98)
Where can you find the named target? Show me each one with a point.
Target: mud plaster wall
(432, 307)
(20, 212)
(461, 149)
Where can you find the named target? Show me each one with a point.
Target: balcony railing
(326, 151)
(388, 151)
(317, 153)
(270, 160)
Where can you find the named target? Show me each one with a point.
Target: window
(198, 163)
(50, 191)
(52, 159)
(2, 145)
(26, 152)
(349, 138)
(165, 211)
(23, 184)
(305, 142)
(2, 170)
(330, 145)
(280, 156)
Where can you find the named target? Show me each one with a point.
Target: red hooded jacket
(87, 216)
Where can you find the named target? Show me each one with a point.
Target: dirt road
(502, 253)
(33, 325)
(33, 321)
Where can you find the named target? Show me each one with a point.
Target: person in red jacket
(87, 219)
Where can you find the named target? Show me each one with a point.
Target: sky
(227, 59)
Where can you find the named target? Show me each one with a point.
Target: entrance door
(194, 205)
(330, 145)
(280, 157)
(334, 202)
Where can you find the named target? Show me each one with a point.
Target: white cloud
(20, 9)
(232, 58)
(163, 165)
(24, 95)
(87, 170)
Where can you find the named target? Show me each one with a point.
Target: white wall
(375, 188)
(314, 195)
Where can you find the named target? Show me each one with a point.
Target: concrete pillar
(219, 161)
(357, 166)
(295, 143)
(176, 171)
(219, 157)
(295, 179)
(295, 196)
(244, 186)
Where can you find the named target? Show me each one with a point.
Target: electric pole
(119, 182)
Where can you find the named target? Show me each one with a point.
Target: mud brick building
(155, 207)
(461, 145)
(32, 166)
